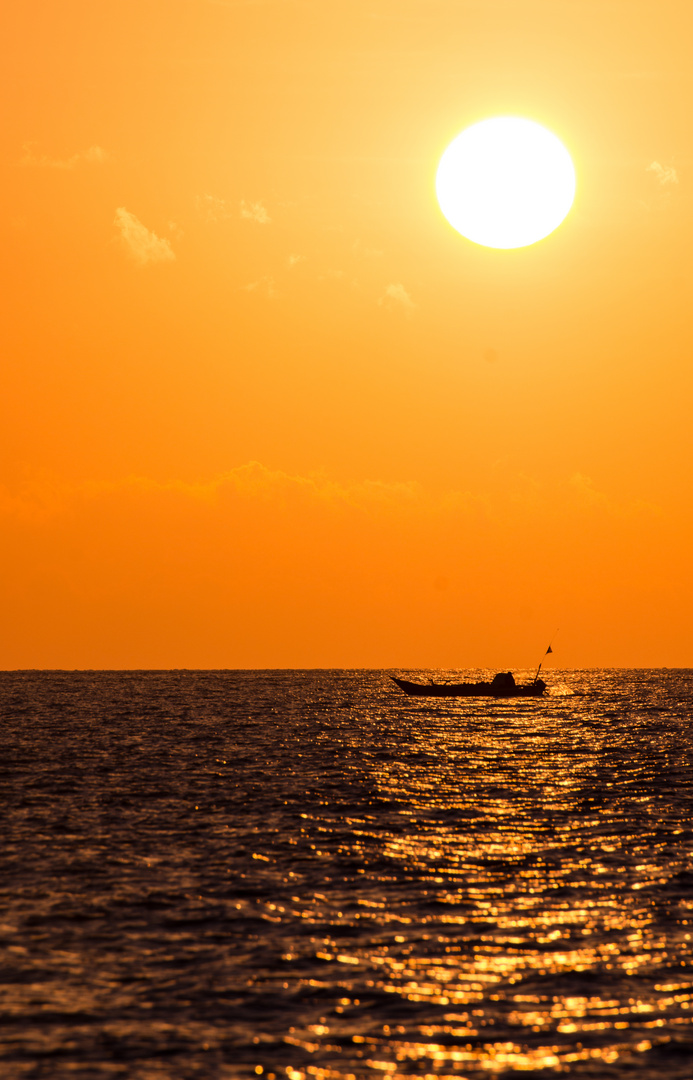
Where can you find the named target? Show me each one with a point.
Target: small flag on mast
(548, 651)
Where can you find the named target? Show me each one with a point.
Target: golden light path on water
(547, 896)
(309, 875)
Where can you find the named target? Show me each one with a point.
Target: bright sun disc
(505, 182)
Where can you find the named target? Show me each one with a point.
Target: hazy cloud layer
(255, 211)
(143, 244)
(46, 497)
(95, 155)
(525, 498)
(319, 562)
(666, 174)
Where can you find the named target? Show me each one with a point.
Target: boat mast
(549, 650)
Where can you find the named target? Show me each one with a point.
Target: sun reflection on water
(519, 882)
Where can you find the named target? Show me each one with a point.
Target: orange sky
(263, 407)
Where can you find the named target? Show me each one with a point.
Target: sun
(505, 182)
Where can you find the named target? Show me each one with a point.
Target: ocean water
(310, 875)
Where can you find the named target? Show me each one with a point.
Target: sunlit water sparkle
(310, 875)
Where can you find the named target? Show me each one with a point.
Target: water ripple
(307, 874)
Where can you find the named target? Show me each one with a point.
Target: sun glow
(505, 182)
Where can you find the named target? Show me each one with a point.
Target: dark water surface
(310, 875)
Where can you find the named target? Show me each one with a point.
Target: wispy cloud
(293, 260)
(245, 3)
(95, 155)
(211, 208)
(360, 251)
(264, 285)
(666, 174)
(143, 244)
(396, 295)
(583, 489)
(255, 211)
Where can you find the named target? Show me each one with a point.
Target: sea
(310, 875)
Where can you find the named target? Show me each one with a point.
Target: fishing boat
(502, 685)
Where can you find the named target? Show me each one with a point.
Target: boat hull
(480, 689)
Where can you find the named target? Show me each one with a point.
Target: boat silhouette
(502, 685)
